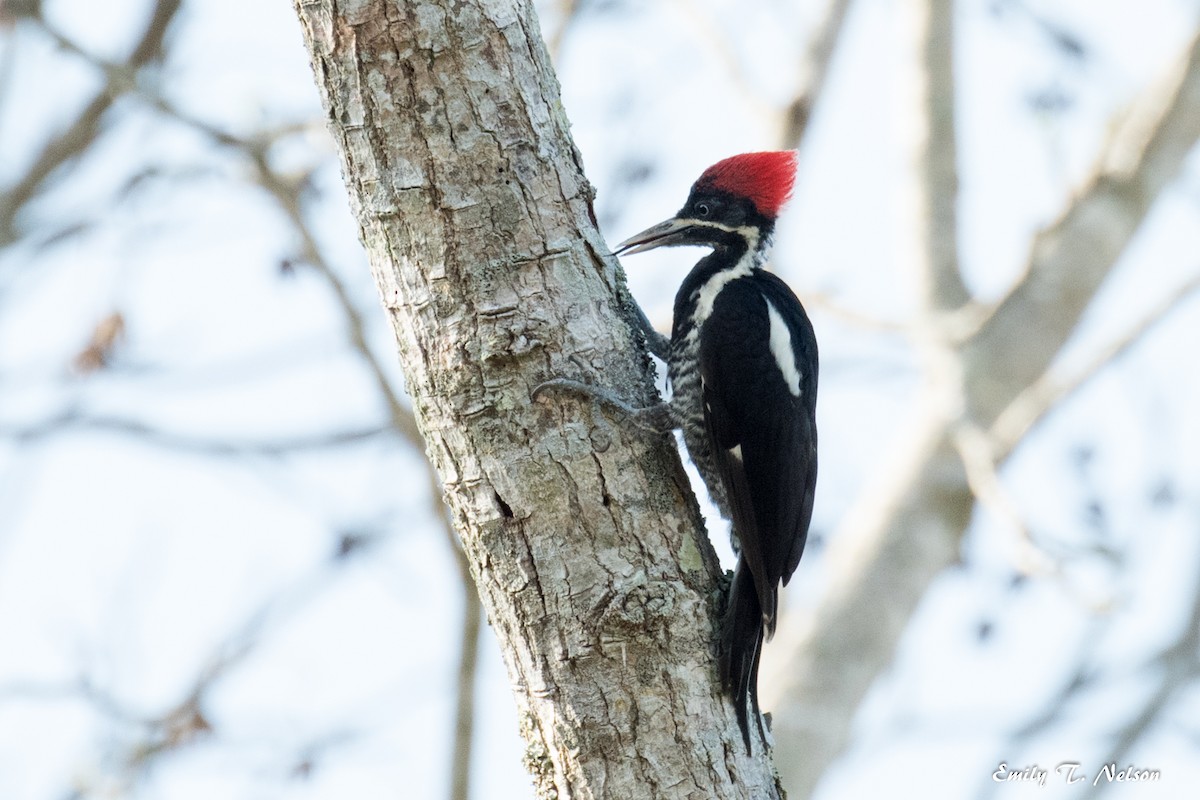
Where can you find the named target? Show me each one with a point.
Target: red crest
(765, 178)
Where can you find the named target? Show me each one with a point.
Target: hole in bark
(605, 499)
(505, 509)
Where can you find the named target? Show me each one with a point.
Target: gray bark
(583, 538)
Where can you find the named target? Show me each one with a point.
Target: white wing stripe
(781, 348)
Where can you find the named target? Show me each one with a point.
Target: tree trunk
(584, 539)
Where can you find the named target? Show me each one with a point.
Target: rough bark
(909, 525)
(584, 540)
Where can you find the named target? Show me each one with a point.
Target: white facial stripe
(736, 452)
(781, 348)
(747, 232)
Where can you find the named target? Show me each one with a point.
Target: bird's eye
(702, 209)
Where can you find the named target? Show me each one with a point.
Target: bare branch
(1049, 392)
(8, 55)
(286, 192)
(939, 280)
(814, 69)
(1070, 260)
(819, 300)
(463, 734)
(288, 198)
(79, 135)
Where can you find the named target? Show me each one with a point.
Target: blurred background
(224, 567)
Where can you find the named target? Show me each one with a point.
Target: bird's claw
(559, 384)
(655, 419)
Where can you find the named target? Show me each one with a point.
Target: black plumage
(765, 442)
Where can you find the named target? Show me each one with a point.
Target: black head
(733, 204)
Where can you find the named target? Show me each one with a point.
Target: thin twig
(858, 319)
(79, 135)
(468, 665)
(979, 462)
(78, 421)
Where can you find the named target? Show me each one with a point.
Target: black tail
(741, 645)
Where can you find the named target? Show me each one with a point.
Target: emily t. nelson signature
(1071, 772)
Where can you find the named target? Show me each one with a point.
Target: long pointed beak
(664, 234)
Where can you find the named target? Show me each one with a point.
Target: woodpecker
(742, 366)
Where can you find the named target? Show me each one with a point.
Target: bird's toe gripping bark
(655, 419)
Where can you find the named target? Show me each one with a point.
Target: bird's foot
(656, 419)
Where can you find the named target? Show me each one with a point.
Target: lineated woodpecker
(742, 364)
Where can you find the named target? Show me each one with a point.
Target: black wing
(761, 422)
